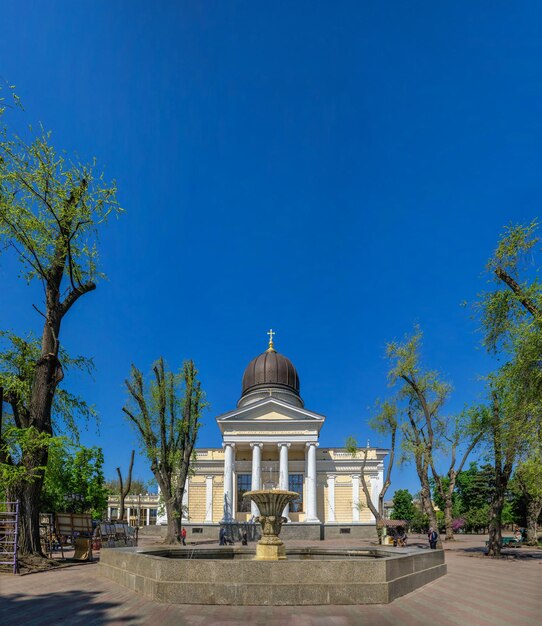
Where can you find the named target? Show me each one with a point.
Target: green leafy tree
(73, 469)
(527, 482)
(474, 488)
(21, 446)
(15, 445)
(50, 211)
(511, 315)
(440, 501)
(166, 415)
(478, 518)
(428, 434)
(137, 486)
(419, 522)
(403, 507)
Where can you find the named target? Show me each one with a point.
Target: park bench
(509, 542)
(116, 534)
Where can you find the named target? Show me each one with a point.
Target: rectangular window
(295, 483)
(244, 482)
(114, 513)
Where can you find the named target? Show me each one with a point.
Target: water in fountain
(269, 477)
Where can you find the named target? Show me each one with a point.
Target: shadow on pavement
(515, 553)
(67, 607)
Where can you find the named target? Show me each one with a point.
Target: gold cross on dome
(271, 332)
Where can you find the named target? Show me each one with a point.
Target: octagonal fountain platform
(230, 575)
(272, 575)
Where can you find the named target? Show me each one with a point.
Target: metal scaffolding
(9, 531)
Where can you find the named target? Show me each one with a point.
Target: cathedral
(272, 440)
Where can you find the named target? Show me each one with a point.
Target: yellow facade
(210, 463)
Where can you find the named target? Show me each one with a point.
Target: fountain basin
(310, 575)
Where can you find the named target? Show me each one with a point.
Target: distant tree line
(472, 498)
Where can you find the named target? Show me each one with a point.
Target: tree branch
(527, 303)
(471, 447)
(133, 418)
(27, 243)
(40, 312)
(74, 295)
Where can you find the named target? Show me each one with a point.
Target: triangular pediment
(270, 410)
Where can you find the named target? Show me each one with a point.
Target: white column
(128, 514)
(311, 483)
(208, 499)
(256, 473)
(228, 481)
(283, 474)
(148, 515)
(330, 498)
(185, 514)
(109, 512)
(161, 514)
(355, 498)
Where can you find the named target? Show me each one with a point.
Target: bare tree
(167, 419)
(385, 423)
(124, 490)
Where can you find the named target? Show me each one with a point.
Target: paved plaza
(476, 591)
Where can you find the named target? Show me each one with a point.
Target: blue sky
(338, 171)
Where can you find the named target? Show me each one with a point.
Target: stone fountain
(271, 503)
(311, 575)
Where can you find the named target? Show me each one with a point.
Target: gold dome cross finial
(271, 332)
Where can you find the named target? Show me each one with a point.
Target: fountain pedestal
(271, 503)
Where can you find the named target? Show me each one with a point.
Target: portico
(278, 442)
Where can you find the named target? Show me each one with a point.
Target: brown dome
(269, 370)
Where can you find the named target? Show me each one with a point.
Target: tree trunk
(503, 470)
(534, 507)
(29, 530)
(173, 510)
(425, 496)
(173, 523)
(495, 524)
(47, 374)
(430, 511)
(380, 525)
(29, 496)
(448, 519)
(125, 490)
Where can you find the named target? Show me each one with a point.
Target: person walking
(432, 535)
(183, 536)
(222, 537)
